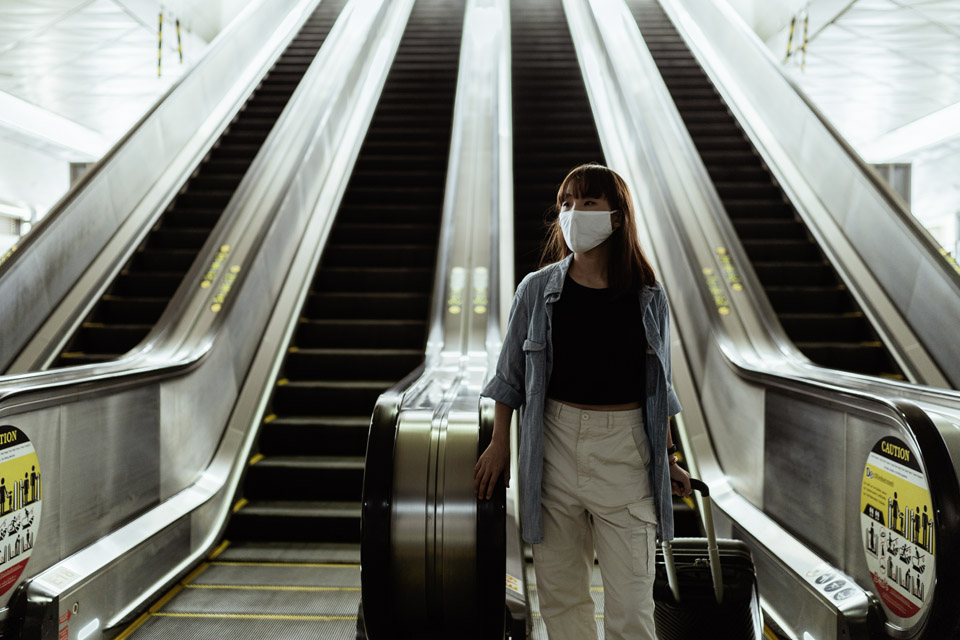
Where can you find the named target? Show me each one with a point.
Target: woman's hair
(627, 265)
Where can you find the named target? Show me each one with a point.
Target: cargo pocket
(533, 351)
(643, 537)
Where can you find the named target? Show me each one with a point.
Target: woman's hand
(494, 461)
(680, 481)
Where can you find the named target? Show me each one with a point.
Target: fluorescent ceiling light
(928, 131)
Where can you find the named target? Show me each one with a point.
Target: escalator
(135, 300)
(813, 305)
(290, 564)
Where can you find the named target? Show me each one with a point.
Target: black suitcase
(712, 589)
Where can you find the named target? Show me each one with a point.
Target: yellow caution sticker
(12, 250)
(225, 287)
(946, 256)
(21, 497)
(513, 584)
(215, 266)
(897, 529)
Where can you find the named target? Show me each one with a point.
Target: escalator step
(868, 358)
(813, 327)
(142, 311)
(177, 238)
(97, 338)
(305, 478)
(327, 435)
(146, 284)
(331, 364)
(385, 233)
(155, 259)
(743, 189)
(372, 334)
(795, 273)
(371, 279)
(394, 255)
(770, 250)
(799, 299)
(207, 198)
(764, 228)
(296, 521)
(342, 397)
(368, 306)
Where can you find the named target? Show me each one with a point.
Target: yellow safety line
(270, 418)
(216, 552)
(193, 574)
(267, 587)
(228, 563)
(253, 616)
(165, 599)
(241, 503)
(768, 633)
(282, 381)
(255, 459)
(136, 624)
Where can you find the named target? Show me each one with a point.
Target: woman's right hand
(493, 461)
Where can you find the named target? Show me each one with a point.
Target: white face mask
(586, 229)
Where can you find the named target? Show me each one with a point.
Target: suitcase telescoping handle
(712, 549)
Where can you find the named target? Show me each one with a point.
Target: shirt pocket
(534, 351)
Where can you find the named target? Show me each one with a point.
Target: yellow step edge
(228, 563)
(241, 503)
(254, 616)
(136, 624)
(165, 599)
(282, 381)
(255, 459)
(216, 552)
(193, 574)
(293, 349)
(267, 587)
(270, 418)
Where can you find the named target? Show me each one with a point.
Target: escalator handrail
(30, 258)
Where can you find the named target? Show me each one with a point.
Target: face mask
(586, 229)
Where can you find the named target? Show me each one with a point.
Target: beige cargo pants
(595, 493)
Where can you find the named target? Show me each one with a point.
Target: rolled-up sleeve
(673, 403)
(507, 383)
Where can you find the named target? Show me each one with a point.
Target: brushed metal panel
(110, 467)
(805, 464)
(195, 409)
(736, 426)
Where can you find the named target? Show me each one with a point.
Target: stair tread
(303, 508)
(312, 462)
(334, 421)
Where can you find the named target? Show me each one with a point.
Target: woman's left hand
(680, 481)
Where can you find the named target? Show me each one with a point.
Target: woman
(586, 360)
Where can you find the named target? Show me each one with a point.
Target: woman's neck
(590, 268)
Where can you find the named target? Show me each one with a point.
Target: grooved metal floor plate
(264, 602)
(279, 575)
(167, 628)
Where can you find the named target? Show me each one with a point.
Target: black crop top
(599, 347)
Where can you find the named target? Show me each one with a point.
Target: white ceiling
(885, 72)
(89, 63)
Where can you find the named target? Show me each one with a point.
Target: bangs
(588, 181)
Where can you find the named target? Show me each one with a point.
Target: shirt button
(586, 416)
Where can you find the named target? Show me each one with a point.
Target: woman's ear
(616, 219)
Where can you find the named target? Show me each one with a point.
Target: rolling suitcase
(705, 587)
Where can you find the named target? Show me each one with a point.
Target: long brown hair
(627, 265)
